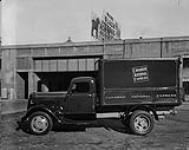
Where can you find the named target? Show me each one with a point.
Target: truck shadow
(108, 124)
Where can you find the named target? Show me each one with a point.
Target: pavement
(184, 106)
(13, 106)
(20, 105)
(171, 133)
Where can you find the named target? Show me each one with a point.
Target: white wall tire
(141, 122)
(40, 123)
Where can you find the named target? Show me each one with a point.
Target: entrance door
(81, 100)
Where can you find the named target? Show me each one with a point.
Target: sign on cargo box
(140, 74)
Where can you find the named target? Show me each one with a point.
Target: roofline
(96, 43)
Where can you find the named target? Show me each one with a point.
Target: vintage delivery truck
(136, 91)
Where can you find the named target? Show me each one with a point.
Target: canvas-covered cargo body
(143, 81)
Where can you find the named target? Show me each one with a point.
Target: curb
(13, 112)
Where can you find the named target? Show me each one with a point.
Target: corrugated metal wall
(64, 65)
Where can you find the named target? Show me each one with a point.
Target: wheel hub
(39, 124)
(141, 123)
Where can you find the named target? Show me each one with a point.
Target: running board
(109, 115)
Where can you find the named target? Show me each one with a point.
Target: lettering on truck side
(140, 74)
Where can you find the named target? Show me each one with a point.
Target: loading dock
(28, 68)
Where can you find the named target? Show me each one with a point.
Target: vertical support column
(30, 82)
(31, 76)
(124, 49)
(161, 47)
(181, 71)
(8, 74)
(35, 82)
(104, 50)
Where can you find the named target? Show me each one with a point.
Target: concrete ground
(172, 133)
(13, 106)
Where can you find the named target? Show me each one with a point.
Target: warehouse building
(50, 67)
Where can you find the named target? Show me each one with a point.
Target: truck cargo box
(147, 81)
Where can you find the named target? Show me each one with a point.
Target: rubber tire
(49, 119)
(146, 115)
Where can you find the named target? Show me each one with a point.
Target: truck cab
(81, 97)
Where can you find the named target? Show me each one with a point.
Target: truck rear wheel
(141, 122)
(40, 123)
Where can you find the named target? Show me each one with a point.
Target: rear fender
(140, 107)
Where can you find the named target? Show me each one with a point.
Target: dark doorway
(186, 75)
(186, 87)
(59, 81)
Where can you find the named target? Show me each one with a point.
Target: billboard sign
(105, 28)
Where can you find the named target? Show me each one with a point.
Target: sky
(53, 21)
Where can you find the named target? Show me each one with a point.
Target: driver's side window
(81, 87)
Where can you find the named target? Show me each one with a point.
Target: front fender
(43, 109)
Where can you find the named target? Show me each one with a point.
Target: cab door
(81, 99)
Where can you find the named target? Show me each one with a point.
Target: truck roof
(84, 78)
(134, 59)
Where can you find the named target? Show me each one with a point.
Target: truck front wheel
(40, 123)
(141, 122)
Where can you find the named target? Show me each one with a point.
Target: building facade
(50, 67)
